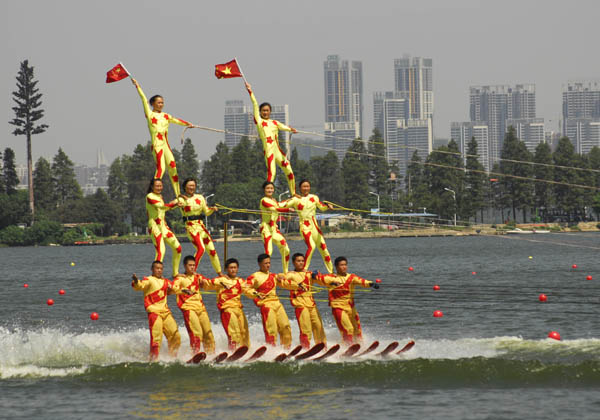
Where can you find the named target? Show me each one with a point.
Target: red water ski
(257, 354)
(220, 357)
(390, 348)
(198, 357)
(407, 347)
(352, 350)
(330, 352)
(369, 349)
(284, 356)
(238, 354)
(311, 352)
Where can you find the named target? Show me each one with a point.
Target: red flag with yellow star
(228, 70)
(117, 73)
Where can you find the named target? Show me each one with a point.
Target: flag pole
(241, 71)
(127, 71)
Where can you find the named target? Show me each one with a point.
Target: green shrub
(71, 236)
(43, 232)
(12, 236)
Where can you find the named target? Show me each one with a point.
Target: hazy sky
(171, 48)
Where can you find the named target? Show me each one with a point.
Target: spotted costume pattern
(309, 229)
(193, 209)
(268, 131)
(160, 232)
(158, 124)
(269, 231)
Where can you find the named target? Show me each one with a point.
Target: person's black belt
(190, 218)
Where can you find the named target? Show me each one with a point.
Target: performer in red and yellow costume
(301, 296)
(229, 289)
(274, 318)
(158, 124)
(268, 131)
(193, 206)
(192, 307)
(307, 206)
(161, 321)
(157, 225)
(341, 299)
(270, 210)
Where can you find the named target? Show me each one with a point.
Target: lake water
(488, 357)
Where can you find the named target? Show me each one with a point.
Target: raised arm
(255, 109)
(144, 100)
(179, 121)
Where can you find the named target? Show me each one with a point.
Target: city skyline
(284, 65)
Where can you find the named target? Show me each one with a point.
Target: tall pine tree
(43, 185)
(355, 173)
(543, 197)
(475, 182)
(27, 113)
(518, 191)
(63, 176)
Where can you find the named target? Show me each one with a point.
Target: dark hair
(154, 98)
(297, 255)
(265, 104)
(267, 183)
(188, 180)
(262, 257)
(303, 181)
(339, 260)
(188, 258)
(152, 181)
(156, 262)
(231, 261)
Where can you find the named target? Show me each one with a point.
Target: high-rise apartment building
(463, 132)
(239, 119)
(581, 114)
(528, 130)
(414, 81)
(339, 137)
(343, 100)
(494, 105)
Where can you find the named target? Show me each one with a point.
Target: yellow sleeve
(178, 121)
(257, 118)
(359, 281)
(320, 205)
(282, 126)
(292, 203)
(144, 101)
(139, 285)
(288, 282)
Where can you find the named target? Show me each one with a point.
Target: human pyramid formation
(260, 286)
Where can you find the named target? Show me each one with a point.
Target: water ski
(284, 356)
(369, 349)
(352, 350)
(407, 347)
(257, 354)
(390, 348)
(330, 352)
(311, 352)
(238, 354)
(220, 357)
(198, 357)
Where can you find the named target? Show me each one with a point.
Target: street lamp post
(205, 216)
(378, 209)
(453, 196)
(281, 195)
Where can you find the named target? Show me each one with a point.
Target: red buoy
(574, 266)
(554, 335)
(377, 280)
(411, 269)
(26, 285)
(436, 287)
(61, 292)
(438, 314)
(588, 278)
(473, 272)
(94, 316)
(543, 298)
(50, 302)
